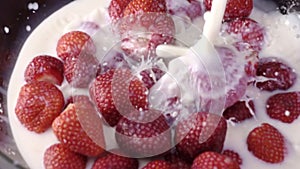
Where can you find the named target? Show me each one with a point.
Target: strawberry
(116, 9)
(80, 71)
(73, 43)
(118, 92)
(140, 6)
(184, 8)
(142, 33)
(151, 76)
(159, 164)
(114, 161)
(198, 133)
(143, 133)
(45, 68)
(284, 107)
(38, 104)
(59, 156)
(267, 143)
(279, 74)
(113, 60)
(80, 129)
(240, 111)
(175, 160)
(248, 33)
(233, 155)
(234, 8)
(213, 160)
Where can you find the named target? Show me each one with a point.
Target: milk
(284, 42)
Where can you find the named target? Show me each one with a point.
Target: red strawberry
(45, 68)
(116, 8)
(114, 161)
(118, 92)
(198, 133)
(74, 43)
(136, 6)
(80, 71)
(184, 8)
(240, 111)
(233, 155)
(176, 162)
(144, 133)
(213, 160)
(279, 75)
(267, 143)
(248, 33)
(39, 103)
(59, 156)
(142, 33)
(158, 164)
(284, 107)
(151, 76)
(80, 129)
(234, 8)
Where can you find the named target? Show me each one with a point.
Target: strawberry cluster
(118, 96)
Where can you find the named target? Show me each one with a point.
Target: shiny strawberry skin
(143, 134)
(234, 8)
(116, 9)
(72, 44)
(213, 160)
(198, 133)
(59, 156)
(38, 104)
(136, 6)
(284, 107)
(161, 164)
(80, 71)
(68, 128)
(239, 111)
(114, 161)
(233, 155)
(267, 143)
(116, 93)
(45, 68)
(281, 75)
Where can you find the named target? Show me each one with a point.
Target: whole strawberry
(59, 156)
(38, 104)
(240, 111)
(143, 32)
(267, 143)
(114, 161)
(116, 93)
(284, 107)
(73, 43)
(248, 33)
(198, 133)
(277, 73)
(234, 8)
(45, 68)
(144, 133)
(79, 128)
(213, 160)
(161, 164)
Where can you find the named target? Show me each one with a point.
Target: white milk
(284, 42)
